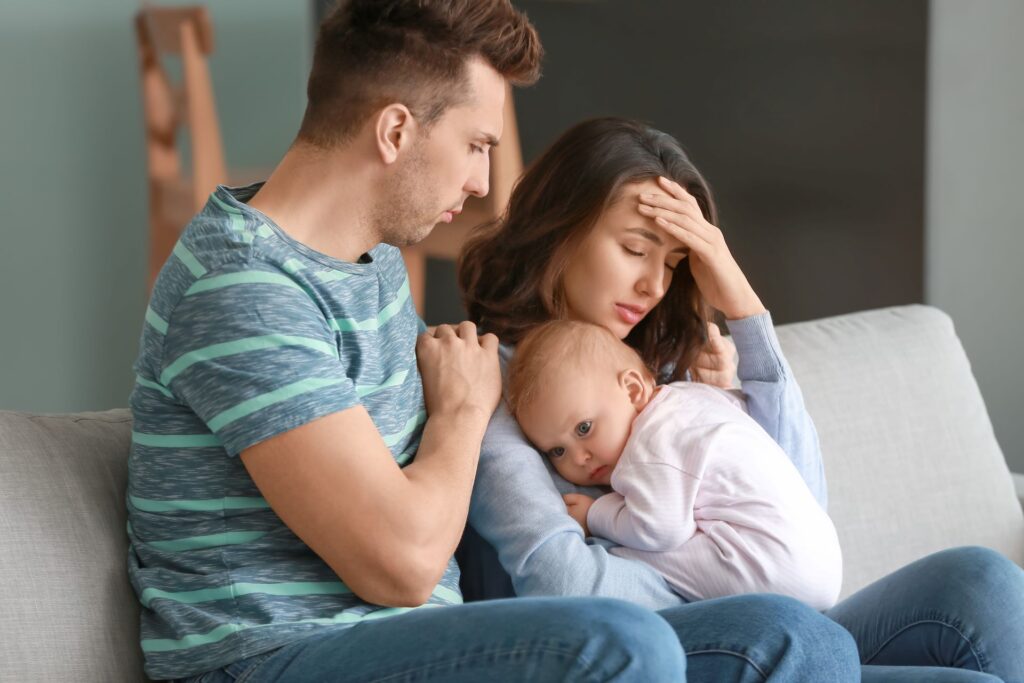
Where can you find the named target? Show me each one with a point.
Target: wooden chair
(446, 241)
(174, 197)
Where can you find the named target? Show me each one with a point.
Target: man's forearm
(441, 478)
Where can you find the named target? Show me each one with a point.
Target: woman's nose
(652, 283)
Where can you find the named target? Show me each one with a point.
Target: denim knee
(627, 642)
(759, 637)
(989, 583)
(805, 641)
(989, 587)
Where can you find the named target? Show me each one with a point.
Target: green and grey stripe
(189, 259)
(259, 343)
(411, 426)
(158, 323)
(395, 380)
(175, 440)
(246, 408)
(246, 277)
(142, 381)
(378, 321)
(199, 505)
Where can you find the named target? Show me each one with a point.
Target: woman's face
(623, 268)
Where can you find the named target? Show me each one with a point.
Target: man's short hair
(564, 345)
(370, 53)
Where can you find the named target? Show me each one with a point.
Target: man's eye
(556, 452)
(583, 428)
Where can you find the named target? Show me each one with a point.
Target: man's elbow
(407, 582)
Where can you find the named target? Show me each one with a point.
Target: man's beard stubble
(406, 217)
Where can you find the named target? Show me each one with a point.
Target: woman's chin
(620, 329)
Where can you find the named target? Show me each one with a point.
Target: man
(301, 464)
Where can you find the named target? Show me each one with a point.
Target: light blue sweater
(517, 504)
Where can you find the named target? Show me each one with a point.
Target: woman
(614, 225)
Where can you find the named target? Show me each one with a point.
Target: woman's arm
(774, 399)
(773, 396)
(517, 508)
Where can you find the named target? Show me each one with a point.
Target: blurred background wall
(934, 109)
(975, 197)
(73, 221)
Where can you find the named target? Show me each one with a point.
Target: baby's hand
(578, 505)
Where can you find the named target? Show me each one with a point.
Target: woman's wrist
(747, 309)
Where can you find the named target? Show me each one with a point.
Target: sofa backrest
(912, 463)
(67, 611)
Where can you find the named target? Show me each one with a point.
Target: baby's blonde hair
(561, 345)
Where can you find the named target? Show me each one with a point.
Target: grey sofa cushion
(67, 611)
(912, 463)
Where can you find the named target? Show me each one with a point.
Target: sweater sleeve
(518, 510)
(774, 399)
(651, 508)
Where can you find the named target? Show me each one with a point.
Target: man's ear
(394, 130)
(636, 386)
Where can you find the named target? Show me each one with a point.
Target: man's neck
(321, 199)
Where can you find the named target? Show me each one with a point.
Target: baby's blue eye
(556, 452)
(583, 428)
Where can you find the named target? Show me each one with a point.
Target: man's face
(443, 167)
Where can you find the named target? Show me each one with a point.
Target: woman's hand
(578, 505)
(716, 364)
(717, 274)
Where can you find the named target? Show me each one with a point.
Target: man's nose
(478, 183)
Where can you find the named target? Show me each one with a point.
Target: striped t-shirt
(249, 334)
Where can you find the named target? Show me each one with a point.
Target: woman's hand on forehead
(716, 272)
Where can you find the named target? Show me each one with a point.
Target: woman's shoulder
(505, 353)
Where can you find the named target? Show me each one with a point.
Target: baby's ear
(636, 387)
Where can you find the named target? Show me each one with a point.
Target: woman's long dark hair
(510, 271)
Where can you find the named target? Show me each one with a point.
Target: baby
(699, 490)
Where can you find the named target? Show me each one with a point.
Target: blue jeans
(523, 639)
(959, 608)
(956, 616)
(568, 639)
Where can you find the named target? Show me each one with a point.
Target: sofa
(912, 463)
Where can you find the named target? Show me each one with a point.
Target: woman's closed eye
(641, 254)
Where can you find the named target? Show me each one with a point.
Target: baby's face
(581, 423)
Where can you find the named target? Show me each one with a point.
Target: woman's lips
(630, 314)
